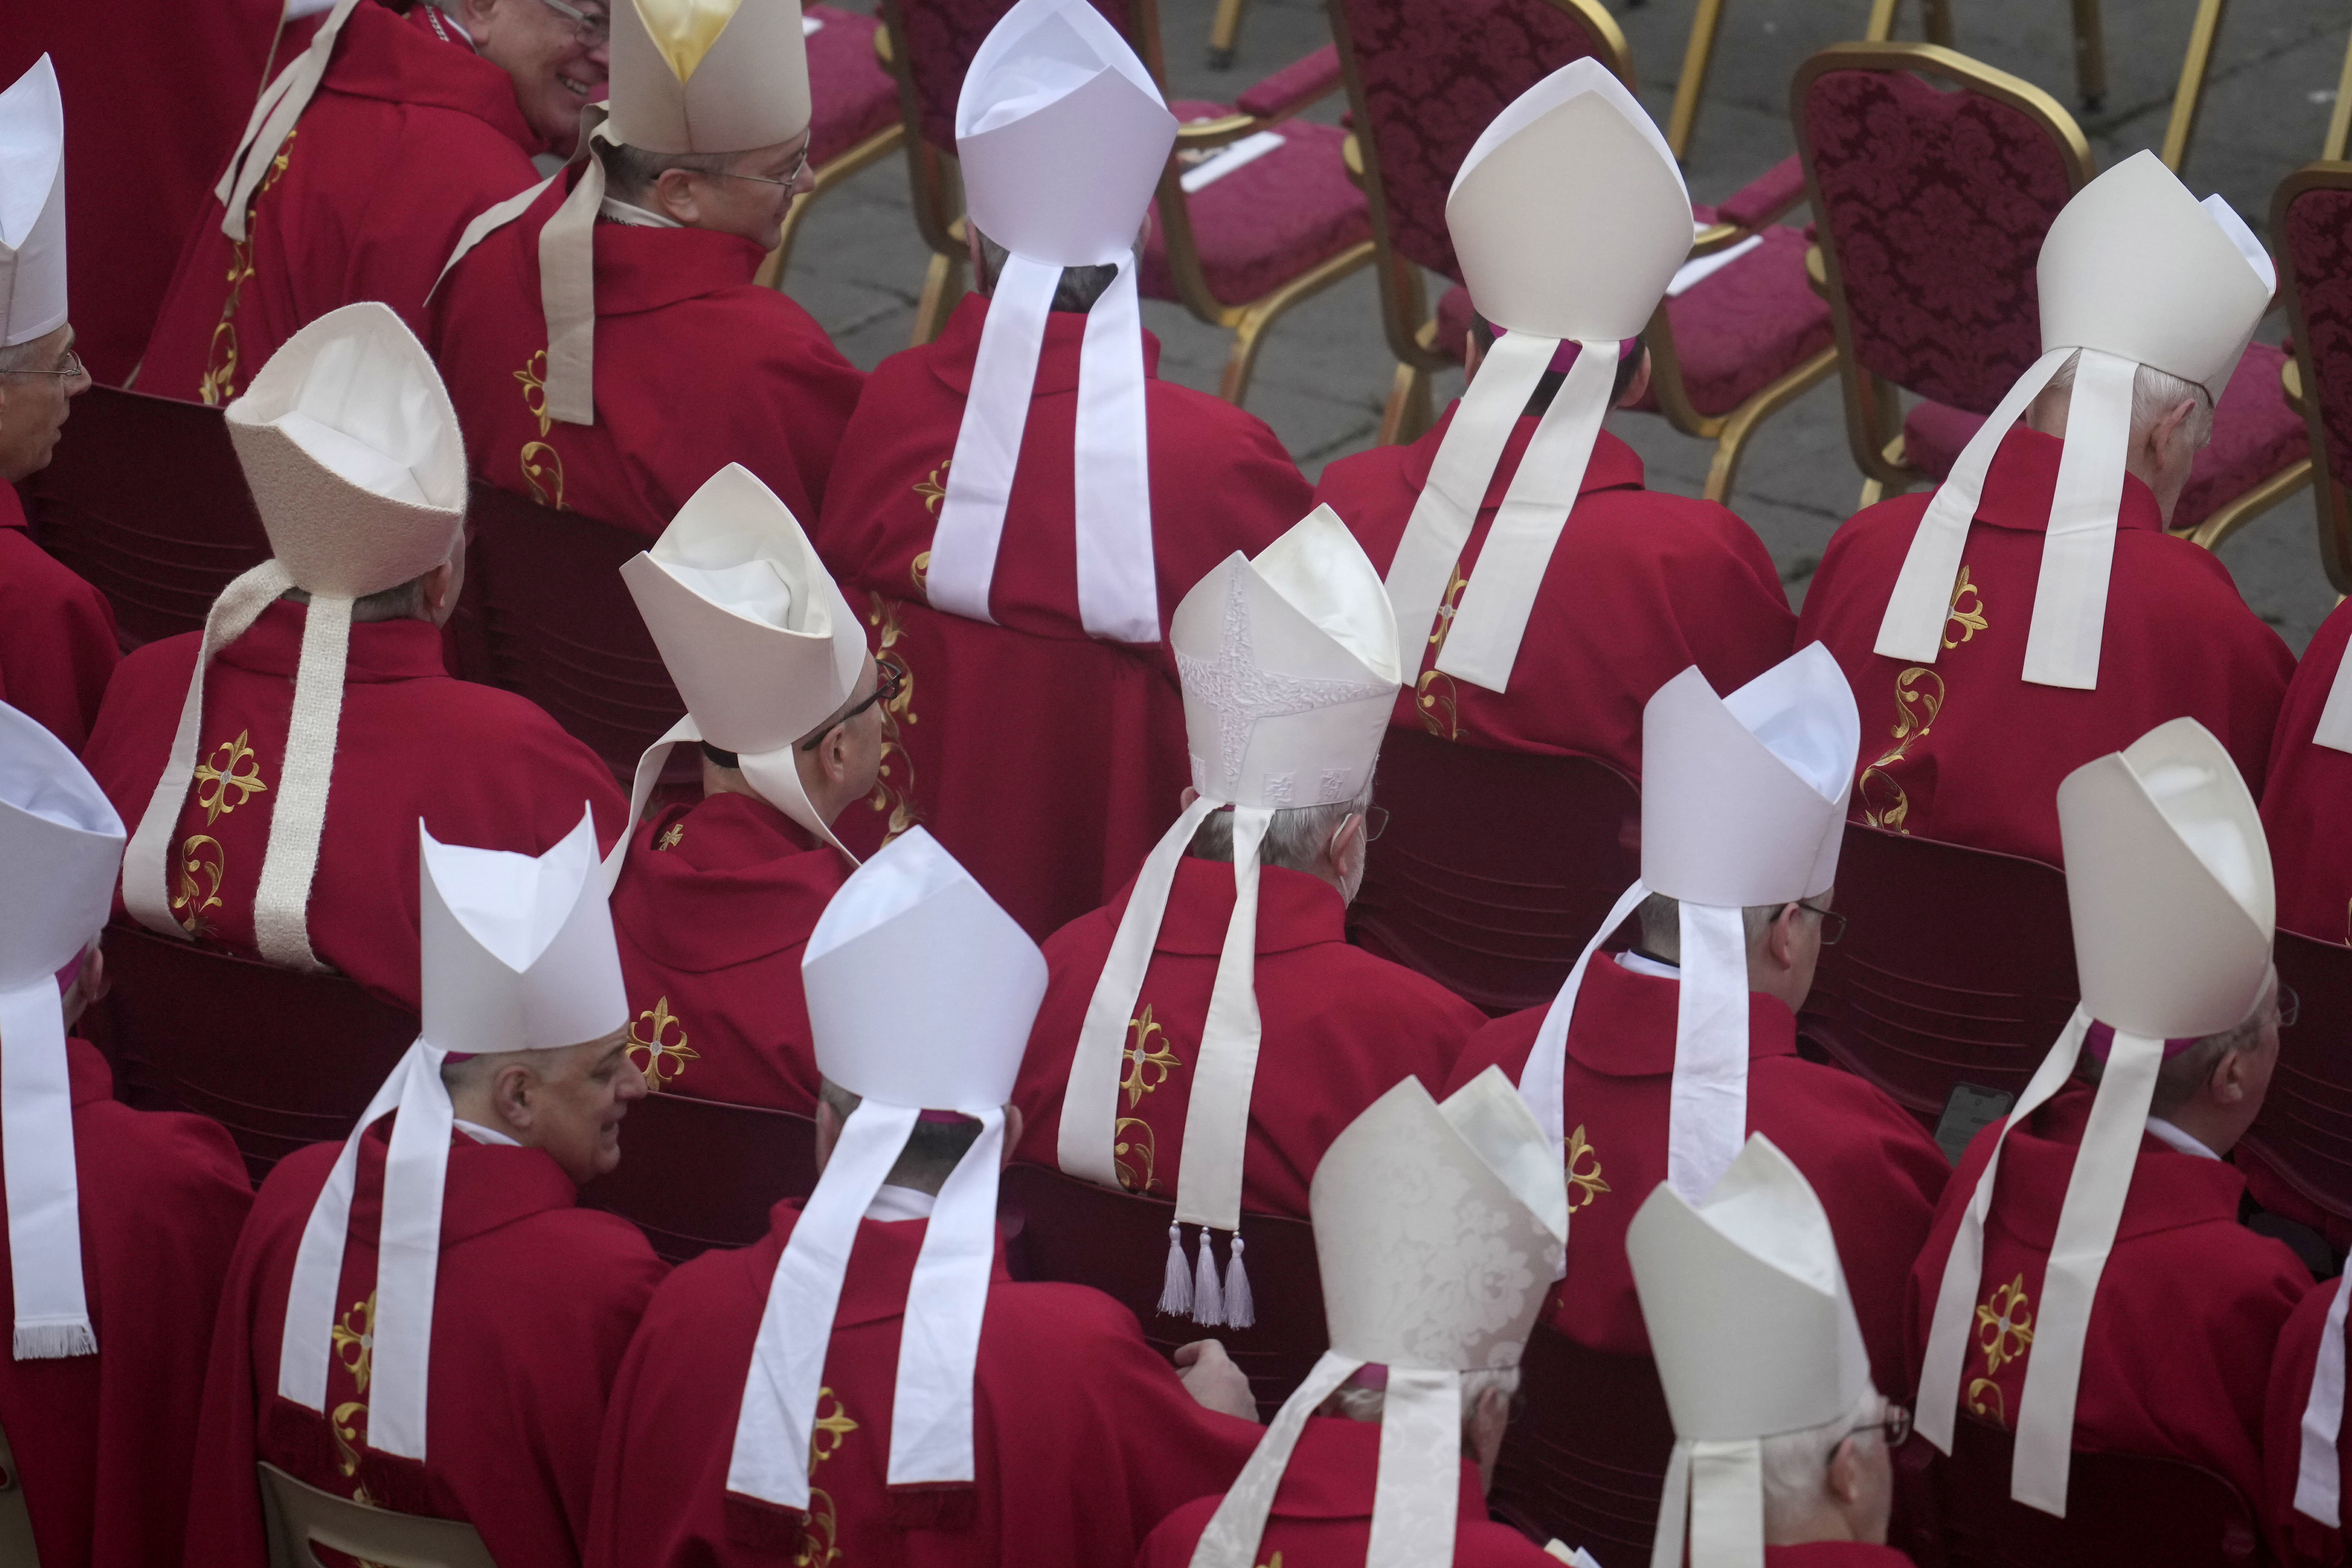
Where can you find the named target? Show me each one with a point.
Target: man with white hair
(576, 321)
(362, 164)
(2031, 613)
(419, 1318)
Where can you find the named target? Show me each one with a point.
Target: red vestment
(2179, 640)
(532, 1307)
(409, 136)
(712, 909)
(679, 326)
(2302, 815)
(1836, 1554)
(2302, 1539)
(1339, 1029)
(2177, 1358)
(483, 767)
(1322, 1513)
(1640, 587)
(1083, 1439)
(104, 1442)
(56, 632)
(1876, 1171)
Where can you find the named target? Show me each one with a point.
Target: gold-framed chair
(301, 1517)
(854, 120)
(2309, 212)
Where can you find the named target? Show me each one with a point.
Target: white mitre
(517, 954)
(32, 206)
(1061, 135)
(2169, 883)
(1289, 667)
(1438, 1232)
(2135, 271)
(1569, 218)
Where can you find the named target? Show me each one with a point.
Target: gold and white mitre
(518, 954)
(1060, 134)
(756, 635)
(351, 450)
(1289, 667)
(1570, 218)
(2134, 271)
(1743, 804)
(32, 206)
(60, 843)
(921, 993)
(2169, 884)
(1438, 1232)
(1754, 1334)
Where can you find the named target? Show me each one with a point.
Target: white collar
(2164, 1133)
(619, 211)
(895, 1202)
(481, 1134)
(1643, 963)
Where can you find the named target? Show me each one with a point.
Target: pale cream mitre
(61, 844)
(709, 76)
(352, 449)
(32, 206)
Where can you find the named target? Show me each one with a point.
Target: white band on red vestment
(938, 1346)
(772, 773)
(1706, 1119)
(988, 442)
(1543, 1081)
(1233, 1532)
(2319, 1469)
(2335, 727)
(37, 1139)
(274, 113)
(1719, 1486)
(281, 900)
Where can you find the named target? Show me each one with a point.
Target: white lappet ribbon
(37, 1139)
(772, 773)
(2319, 1472)
(272, 120)
(1717, 1487)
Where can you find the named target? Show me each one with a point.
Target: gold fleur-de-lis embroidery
(670, 837)
(2004, 1327)
(817, 1538)
(218, 384)
(894, 778)
(665, 1059)
(354, 1345)
(1969, 620)
(543, 465)
(1583, 1185)
(1436, 697)
(933, 488)
(233, 767)
(203, 867)
(829, 1431)
(1147, 1065)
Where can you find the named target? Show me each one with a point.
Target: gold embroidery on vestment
(1436, 695)
(933, 487)
(671, 836)
(1583, 1185)
(893, 779)
(665, 1059)
(2004, 1327)
(203, 868)
(825, 1439)
(234, 766)
(1918, 697)
(218, 384)
(543, 465)
(353, 1346)
(1149, 1064)
(1971, 620)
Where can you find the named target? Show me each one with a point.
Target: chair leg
(1938, 23)
(2188, 98)
(772, 271)
(943, 286)
(1241, 360)
(1873, 493)
(1224, 33)
(1744, 420)
(2090, 56)
(1408, 416)
(1698, 57)
(2216, 529)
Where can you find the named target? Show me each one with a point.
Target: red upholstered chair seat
(1269, 220)
(851, 96)
(1747, 325)
(2316, 246)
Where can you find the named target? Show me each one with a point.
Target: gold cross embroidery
(1583, 1185)
(233, 767)
(665, 1059)
(671, 836)
(1143, 1057)
(2005, 1329)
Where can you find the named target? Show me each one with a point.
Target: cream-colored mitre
(707, 76)
(1289, 667)
(32, 206)
(1438, 1232)
(753, 630)
(351, 450)
(1754, 1334)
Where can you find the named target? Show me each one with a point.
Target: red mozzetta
(2311, 841)
(57, 633)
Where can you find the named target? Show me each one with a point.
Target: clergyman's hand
(1211, 1378)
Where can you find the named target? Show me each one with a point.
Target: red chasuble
(532, 1307)
(411, 134)
(1641, 586)
(680, 327)
(483, 767)
(2302, 815)
(1323, 1512)
(56, 632)
(2177, 1358)
(1339, 1029)
(2179, 640)
(104, 1442)
(1877, 1172)
(2302, 1539)
(712, 910)
(1836, 1554)
(1083, 1438)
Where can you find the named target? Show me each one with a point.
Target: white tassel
(1208, 1299)
(54, 1340)
(1176, 1285)
(1241, 1307)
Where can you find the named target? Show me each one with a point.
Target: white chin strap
(773, 773)
(37, 1153)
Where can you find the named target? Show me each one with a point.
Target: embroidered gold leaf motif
(353, 1341)
(665, 1059)
(2004, 1328)
(1147, 1065)
(543, 465)
(218, 384)
(1918, 698)
(671, 836)
(233, 767)
(1583, 1185)
(202, 867)
(684, 30)
(933, 488)
(893, 779)
(817, 1538)
(1435, 697)
(1985, 1400)
(1132, 1152)
(1970, 619)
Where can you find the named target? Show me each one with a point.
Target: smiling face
(558, 65)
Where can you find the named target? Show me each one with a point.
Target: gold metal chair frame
(1412, 331)
(2333, 508)
(938, 194)
(829, 177)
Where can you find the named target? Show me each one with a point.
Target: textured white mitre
(1745, 1303)
(1061, 135)
(1743, 797)
(2169, 884)
(352, 449)
(32, 206)
(761, 644)
(1569, 215)
(709, 76)
(1290, 666)
(61, 844)
(2136, 267)
(518, 950)
(1438, 1228)
(921, 990)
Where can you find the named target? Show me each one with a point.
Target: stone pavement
(1324, 371)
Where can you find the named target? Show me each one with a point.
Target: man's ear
(674, 196)
(2167, 429)
(1346, 841)
(511, 1092)
(828, 1133)
(1844, 1480)
(1637, 388)
(2227, 1084)
(1781, 937)
(1012, 1133)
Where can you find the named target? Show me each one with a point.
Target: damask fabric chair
(1060, 1228)
(1052, 815)
(1957, 967)
(855, 123)
(2303, 1138)
(144, 499)
(2311, 224)
(695, 1173)
(280, 1059)
(1932, 181)
(1425, 79)
(302, 1517)
(1495, 866)
(1237, 250)
(1584, 1461)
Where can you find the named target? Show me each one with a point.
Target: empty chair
(2303, 1136)
(856, 115)
(696, 1174)
(303, 1517)
(2311, 218)
(1585, 1459)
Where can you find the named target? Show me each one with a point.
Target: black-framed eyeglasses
(799, 168)
(1833, 928)
(71, 370)
(1376, 822)
(888, 681)
(2289, 1005)
(1893, 1427)
(589, 28)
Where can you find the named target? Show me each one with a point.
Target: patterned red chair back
(695, 1173)
(2312, 222)
(1930, 203)
(144, 499)
(1073, 1231)
(2305, 1130)
(938, 39)
(1958, 965)
(1585, 1459)
(280, 1059)
(1495, 866)
(1049, 767)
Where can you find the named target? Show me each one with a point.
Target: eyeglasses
(1833, 928)
(1893, 1428)
(2289, 1005)
(887, 683)
(790, 180)
(1376, 822)
(588, 27)
(71, 370)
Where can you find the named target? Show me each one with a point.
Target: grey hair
(932, 1151)
(1296, 839)
(1361, 1404)
(1662, 925)
(20, 356)
(631, 173)
(2178, 1082)
(1796, 1464)
(401, 602)
(1079, 288)
(2155, 393)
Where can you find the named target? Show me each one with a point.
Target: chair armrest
(1293, 88)
(1200, 135)
(882, 54)
(1765, 198)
